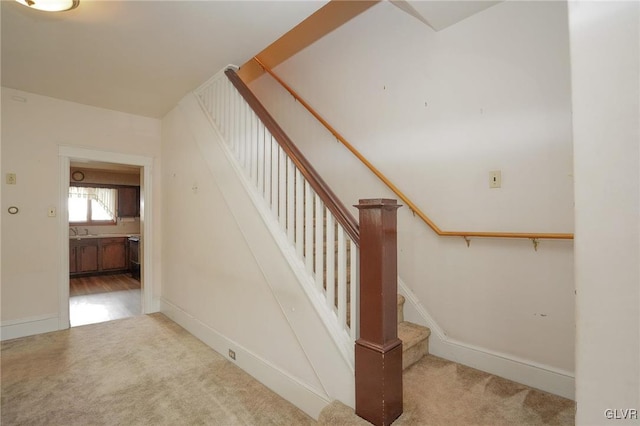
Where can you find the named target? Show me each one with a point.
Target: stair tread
(400, 308)
(411, 334)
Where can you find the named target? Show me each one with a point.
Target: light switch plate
(11, 178)
(495, 179)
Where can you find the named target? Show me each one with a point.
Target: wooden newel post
(378, 351)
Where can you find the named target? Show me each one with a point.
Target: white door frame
(68, 153)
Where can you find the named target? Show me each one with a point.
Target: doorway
(115, 278)
(104, 234)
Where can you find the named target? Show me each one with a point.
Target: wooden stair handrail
(331, 201)
(415, 209)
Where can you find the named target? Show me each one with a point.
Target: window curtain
(106, 197)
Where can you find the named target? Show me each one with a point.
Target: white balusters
(244, 127)
(274, 175)
(235, 120)
(282, 188)
(237, 123)
(319, 246)
(291, 202)
(224, 108)
(267, 168)
(318, 241)
(308, 227)
(330, 251)
(253, 141)
(220, 110)
(354, 278)
(261, 156)
(342, 277)
(299, 222)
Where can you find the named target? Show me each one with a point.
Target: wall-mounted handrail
(333, 203)
(411, 205)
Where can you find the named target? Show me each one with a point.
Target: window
(92, 206)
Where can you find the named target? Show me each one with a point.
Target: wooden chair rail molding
(414, 209)
(333, 203)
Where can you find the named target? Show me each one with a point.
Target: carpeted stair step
(415, 338)
(415, 342)
(400, 308)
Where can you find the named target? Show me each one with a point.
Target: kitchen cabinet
(129, 201)
(114, 254)
(83, 256)
(73, 262)
(97, 255)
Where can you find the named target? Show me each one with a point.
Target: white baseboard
(309, 400)
(543, 377)
(28, 326)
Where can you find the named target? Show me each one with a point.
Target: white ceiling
(142, 57)
(442, 14)
(139, 57)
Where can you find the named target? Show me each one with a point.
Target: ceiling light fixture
(50, 5)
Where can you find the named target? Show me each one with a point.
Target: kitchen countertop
(84, 237)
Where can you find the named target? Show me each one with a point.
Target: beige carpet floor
(147, 370)
(144, 370)
(439, 392)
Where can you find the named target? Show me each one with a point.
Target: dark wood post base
(378, 382)
(378, 351)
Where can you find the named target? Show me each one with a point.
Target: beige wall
(33, 129)
(435, 112)
(605, 62)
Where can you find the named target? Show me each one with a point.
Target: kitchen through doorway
(105, 262)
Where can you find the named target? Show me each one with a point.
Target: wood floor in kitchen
(103, 298)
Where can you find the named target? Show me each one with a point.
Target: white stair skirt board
(28, 326)
(549, 379)
(309, 400)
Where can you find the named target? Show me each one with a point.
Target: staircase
(415, 338)
(322, 242)
(320, 238)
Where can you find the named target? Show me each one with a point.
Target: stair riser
(414, 354)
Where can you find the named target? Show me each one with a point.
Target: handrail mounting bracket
(535, 243)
